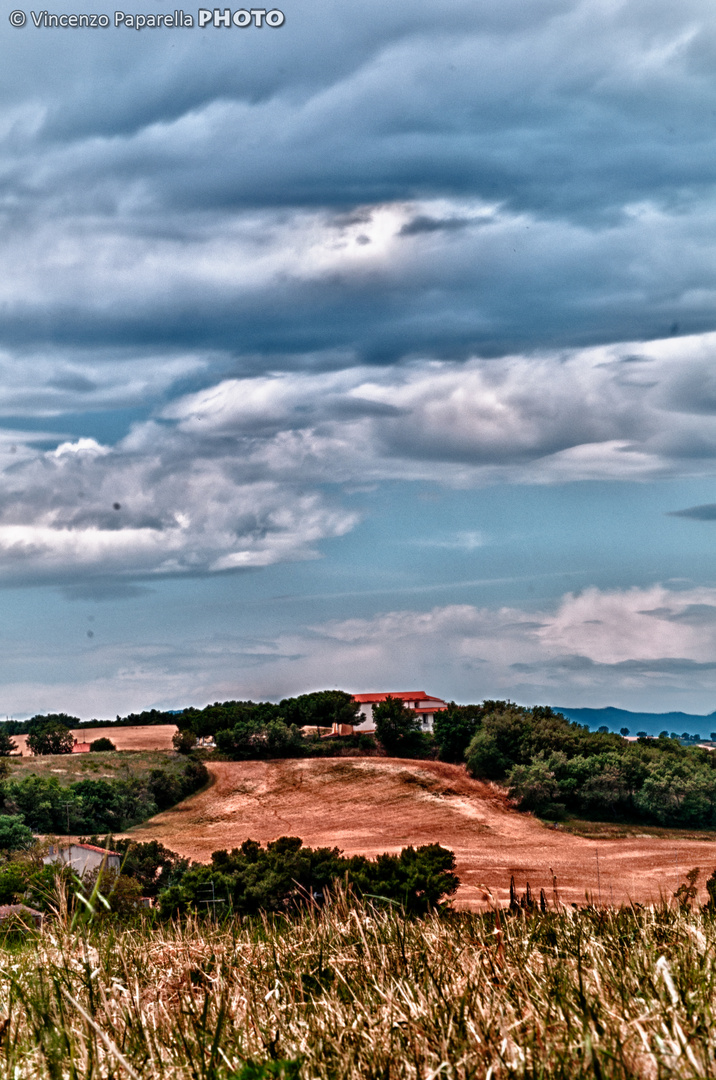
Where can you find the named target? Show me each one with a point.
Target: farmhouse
(21, 913)
(81, 747)
(423, 704)
(83, 858)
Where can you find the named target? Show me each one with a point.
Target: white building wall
(366, 723)
(82, 860)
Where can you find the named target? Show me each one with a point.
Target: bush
(285, 874)
(97, 805)
(99, 746)
(14, 834)
(184, 740)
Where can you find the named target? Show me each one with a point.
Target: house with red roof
(424, 705)
(83, 858)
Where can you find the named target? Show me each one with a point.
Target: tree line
(551, 765)
(40, 804)
(281, 877)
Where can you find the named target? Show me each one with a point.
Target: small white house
(423, 704)
(83, 858)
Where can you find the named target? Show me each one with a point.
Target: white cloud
(650, 648)
(248, 472)
(646, 648)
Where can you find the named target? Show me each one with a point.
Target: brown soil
(371, 805)
(158, 737)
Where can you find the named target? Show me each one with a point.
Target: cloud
(350, 170)
(707, 512)
(257, 470)
(629, 647)
(599, 644)
(424, 224)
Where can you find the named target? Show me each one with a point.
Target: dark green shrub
(285, 874)
(184, 740)
(14, 834)
(100, 746)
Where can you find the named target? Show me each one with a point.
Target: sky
(375, 350)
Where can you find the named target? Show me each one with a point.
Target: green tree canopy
(53, 738)
(14, 834)
(7, 746)
(99, 746)
(398, 728)
(454, 728)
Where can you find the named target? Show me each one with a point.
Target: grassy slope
(355, 992)
(114, 765)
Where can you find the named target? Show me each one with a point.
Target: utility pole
(211, 904)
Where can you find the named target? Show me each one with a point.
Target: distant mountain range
(651, 723)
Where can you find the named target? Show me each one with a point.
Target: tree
(398, 728)
(624, 731)
(537, 788)
(321, 708)
(184, 740)
(53, 738)
(99, 746)
(36, 723)
(252, 738)
(7, 746)
(503, 740)
(14, 834)
(453, 729)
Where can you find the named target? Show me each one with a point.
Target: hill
(651, 723)
(371, 805)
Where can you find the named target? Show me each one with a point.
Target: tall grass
(357, 991)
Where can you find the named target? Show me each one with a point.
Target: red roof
(93, 847)
(403, 695)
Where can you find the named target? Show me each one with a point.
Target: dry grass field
(371, 805)
(158, 737)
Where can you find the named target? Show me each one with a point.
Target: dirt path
(370, 805)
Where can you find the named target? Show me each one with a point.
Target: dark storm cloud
(418, 213)
(424, 224)
(707, 512)
(666, 665)
(579, 137)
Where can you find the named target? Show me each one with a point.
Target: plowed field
(371, 805)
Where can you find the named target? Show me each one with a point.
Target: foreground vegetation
(363, 991)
